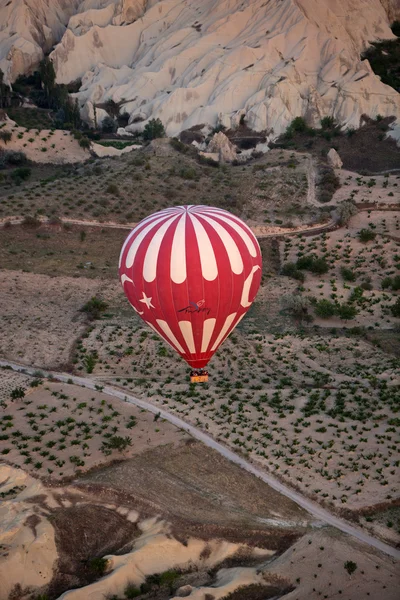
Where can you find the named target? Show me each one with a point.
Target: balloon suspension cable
(199, 376)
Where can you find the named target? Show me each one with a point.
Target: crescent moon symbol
(246, 288)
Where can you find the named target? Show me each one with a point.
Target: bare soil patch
(56, 250)
(41, 318)
(204, 494)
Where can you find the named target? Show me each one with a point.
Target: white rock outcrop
(103, 151)
(190, 62)
(221, 146)
(27, 540)
(334, 159)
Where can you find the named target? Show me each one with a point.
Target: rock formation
(208, 62)
(334, 159)
(220, 145)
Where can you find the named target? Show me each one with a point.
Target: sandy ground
(40, 316)
(380, 189)
(315, 565)
(56, 424)
(45, 146)
(27, 543)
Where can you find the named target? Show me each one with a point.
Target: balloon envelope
(191, 273)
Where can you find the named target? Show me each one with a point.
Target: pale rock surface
(122, 131)
(394, 131)
(27, 540)
(221, 146)
(102, 151)
(156, 551)
(208, 62)
(334, 159)
(28, 28)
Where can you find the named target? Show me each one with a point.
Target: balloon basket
(199, 377)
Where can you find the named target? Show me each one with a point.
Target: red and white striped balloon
(191, 273)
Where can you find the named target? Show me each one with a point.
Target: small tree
(17, 393)
(347, 274)
(350, 566)
(319, 266)
(298, 124)
(98, 566)
(395, 308)
(5, 94)
(116, 442)
(347, 312)
(325, 309)
(94, 307)
(5, 136)
(84, 142)
(48, 78)
(109, 125)
(366, 235)
(345, 211)
(154, 129)
(328, 123)
(297, 306)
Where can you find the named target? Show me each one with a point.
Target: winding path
(258, 230)
(314, 509)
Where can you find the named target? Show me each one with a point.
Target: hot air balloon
(191, 273)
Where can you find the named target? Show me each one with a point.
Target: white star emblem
(147, 301)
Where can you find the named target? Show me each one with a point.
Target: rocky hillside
(190, 62)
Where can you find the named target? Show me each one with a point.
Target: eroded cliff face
(392, 8)
(213, 61)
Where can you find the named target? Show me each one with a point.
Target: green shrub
(5, 136)
(116, 442)
(153, 129)
(291, 270)
(305, 262)
(17, 393)
(94, 307)
(84, 142)
(328, 123)
(179, 146)
(345, 211)
(347, 311)
(311, 263)
(131, 591)
(325, 309)
(350, 566)
(319, 266)
(395, 308)
(188, 173)
(347, 274)
(109, 125)
(366, 235)
(22, 173)
(298, 124)
(13, 157)
(98, 566)
(113, 189)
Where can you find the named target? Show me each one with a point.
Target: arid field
(307, 388)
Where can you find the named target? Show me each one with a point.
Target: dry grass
(58, 251)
